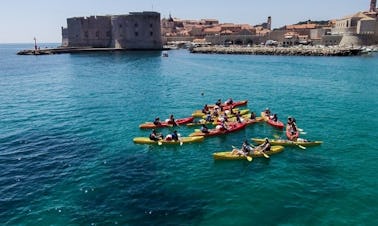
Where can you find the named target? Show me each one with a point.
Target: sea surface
(67, 124)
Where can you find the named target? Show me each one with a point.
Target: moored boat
(147, 140)
(227, 155)
(282, 142)
(151, 125)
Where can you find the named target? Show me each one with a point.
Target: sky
(22, 20)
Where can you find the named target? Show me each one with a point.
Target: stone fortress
(133, 31)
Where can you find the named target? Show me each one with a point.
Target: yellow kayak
(226, 155)
(147, 140)
(303, 143)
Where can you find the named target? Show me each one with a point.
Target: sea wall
(288, 51)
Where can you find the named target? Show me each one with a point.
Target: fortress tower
(373, 5)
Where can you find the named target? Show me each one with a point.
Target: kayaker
(172, 120)
(253, 115)
(274, 118)
(245, 149)
(204, 129)
(157, 121)
(263, 147)
(267, 112)
(155, 136)
(223, 126)
(205, 109)
(239, 119)
(173, 136)
(208, 117)
(229, 101)
(219, 102)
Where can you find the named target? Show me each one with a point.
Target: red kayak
(151, 125)
(233, 105)
(278, 124)
(291, 136)
(232, 127)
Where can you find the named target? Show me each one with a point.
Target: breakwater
(288, 51)
(61, 50)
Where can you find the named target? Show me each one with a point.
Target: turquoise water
(67, 156)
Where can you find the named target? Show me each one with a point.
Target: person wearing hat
(157, 121)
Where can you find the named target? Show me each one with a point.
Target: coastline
(61, 50)
(283, 51)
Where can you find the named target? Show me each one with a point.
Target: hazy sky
(21, 20)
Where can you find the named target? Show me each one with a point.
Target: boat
(290, 136)
(199, 113)
(215, 132)
(184, 140)
(229, 115)
(229, 106)
(226, 155)
(278, 124)
(151, 125)
(302, 142)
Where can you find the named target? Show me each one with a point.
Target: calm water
(67, 156)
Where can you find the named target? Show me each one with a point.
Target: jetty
(60, 50)
(281, 51)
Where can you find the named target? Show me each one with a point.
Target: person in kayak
(291, 120)
(253, 115)
(245, 149)
(172, 121)
(264, 147)
(223, 126)
(229, 101)
(239, 118)
(173, 136)
(205, 109)
(218, 103)
(267, 112)
(274, 118)
(208, 117)
(157, 121)
(204, 129)
(155, 136)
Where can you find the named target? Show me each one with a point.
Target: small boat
(184, 140)
(151, 125)
(302, 142)
(215, 132)
(278, 124)
(227, 155)
(291, 136)
(165, 54)
(229, 106)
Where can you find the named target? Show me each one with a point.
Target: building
(136, 30)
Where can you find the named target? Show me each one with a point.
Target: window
(108, 34)
(97, 34)
(120, 25)
(151, 33)
(136, 25)
(86, 34)
(136, 33)
(150, 25)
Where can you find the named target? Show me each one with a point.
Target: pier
(282, 51)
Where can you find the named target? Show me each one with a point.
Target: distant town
(147, 31)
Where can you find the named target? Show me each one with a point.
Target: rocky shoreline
(282, 51)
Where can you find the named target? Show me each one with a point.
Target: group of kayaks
(244, 118)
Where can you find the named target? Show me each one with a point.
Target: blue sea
(67, 124)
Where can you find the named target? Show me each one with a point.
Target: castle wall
(132, 31)
(94, 31)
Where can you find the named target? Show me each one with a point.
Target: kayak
(147, 140)
(278, 124)
(247, 119)
(226, 155)
(288, 142)
(291, 136)
(229, 106)
(242, 112)
(151, 125)
(215, 132)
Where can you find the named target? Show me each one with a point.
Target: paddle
(300, 146)
(249, 158)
